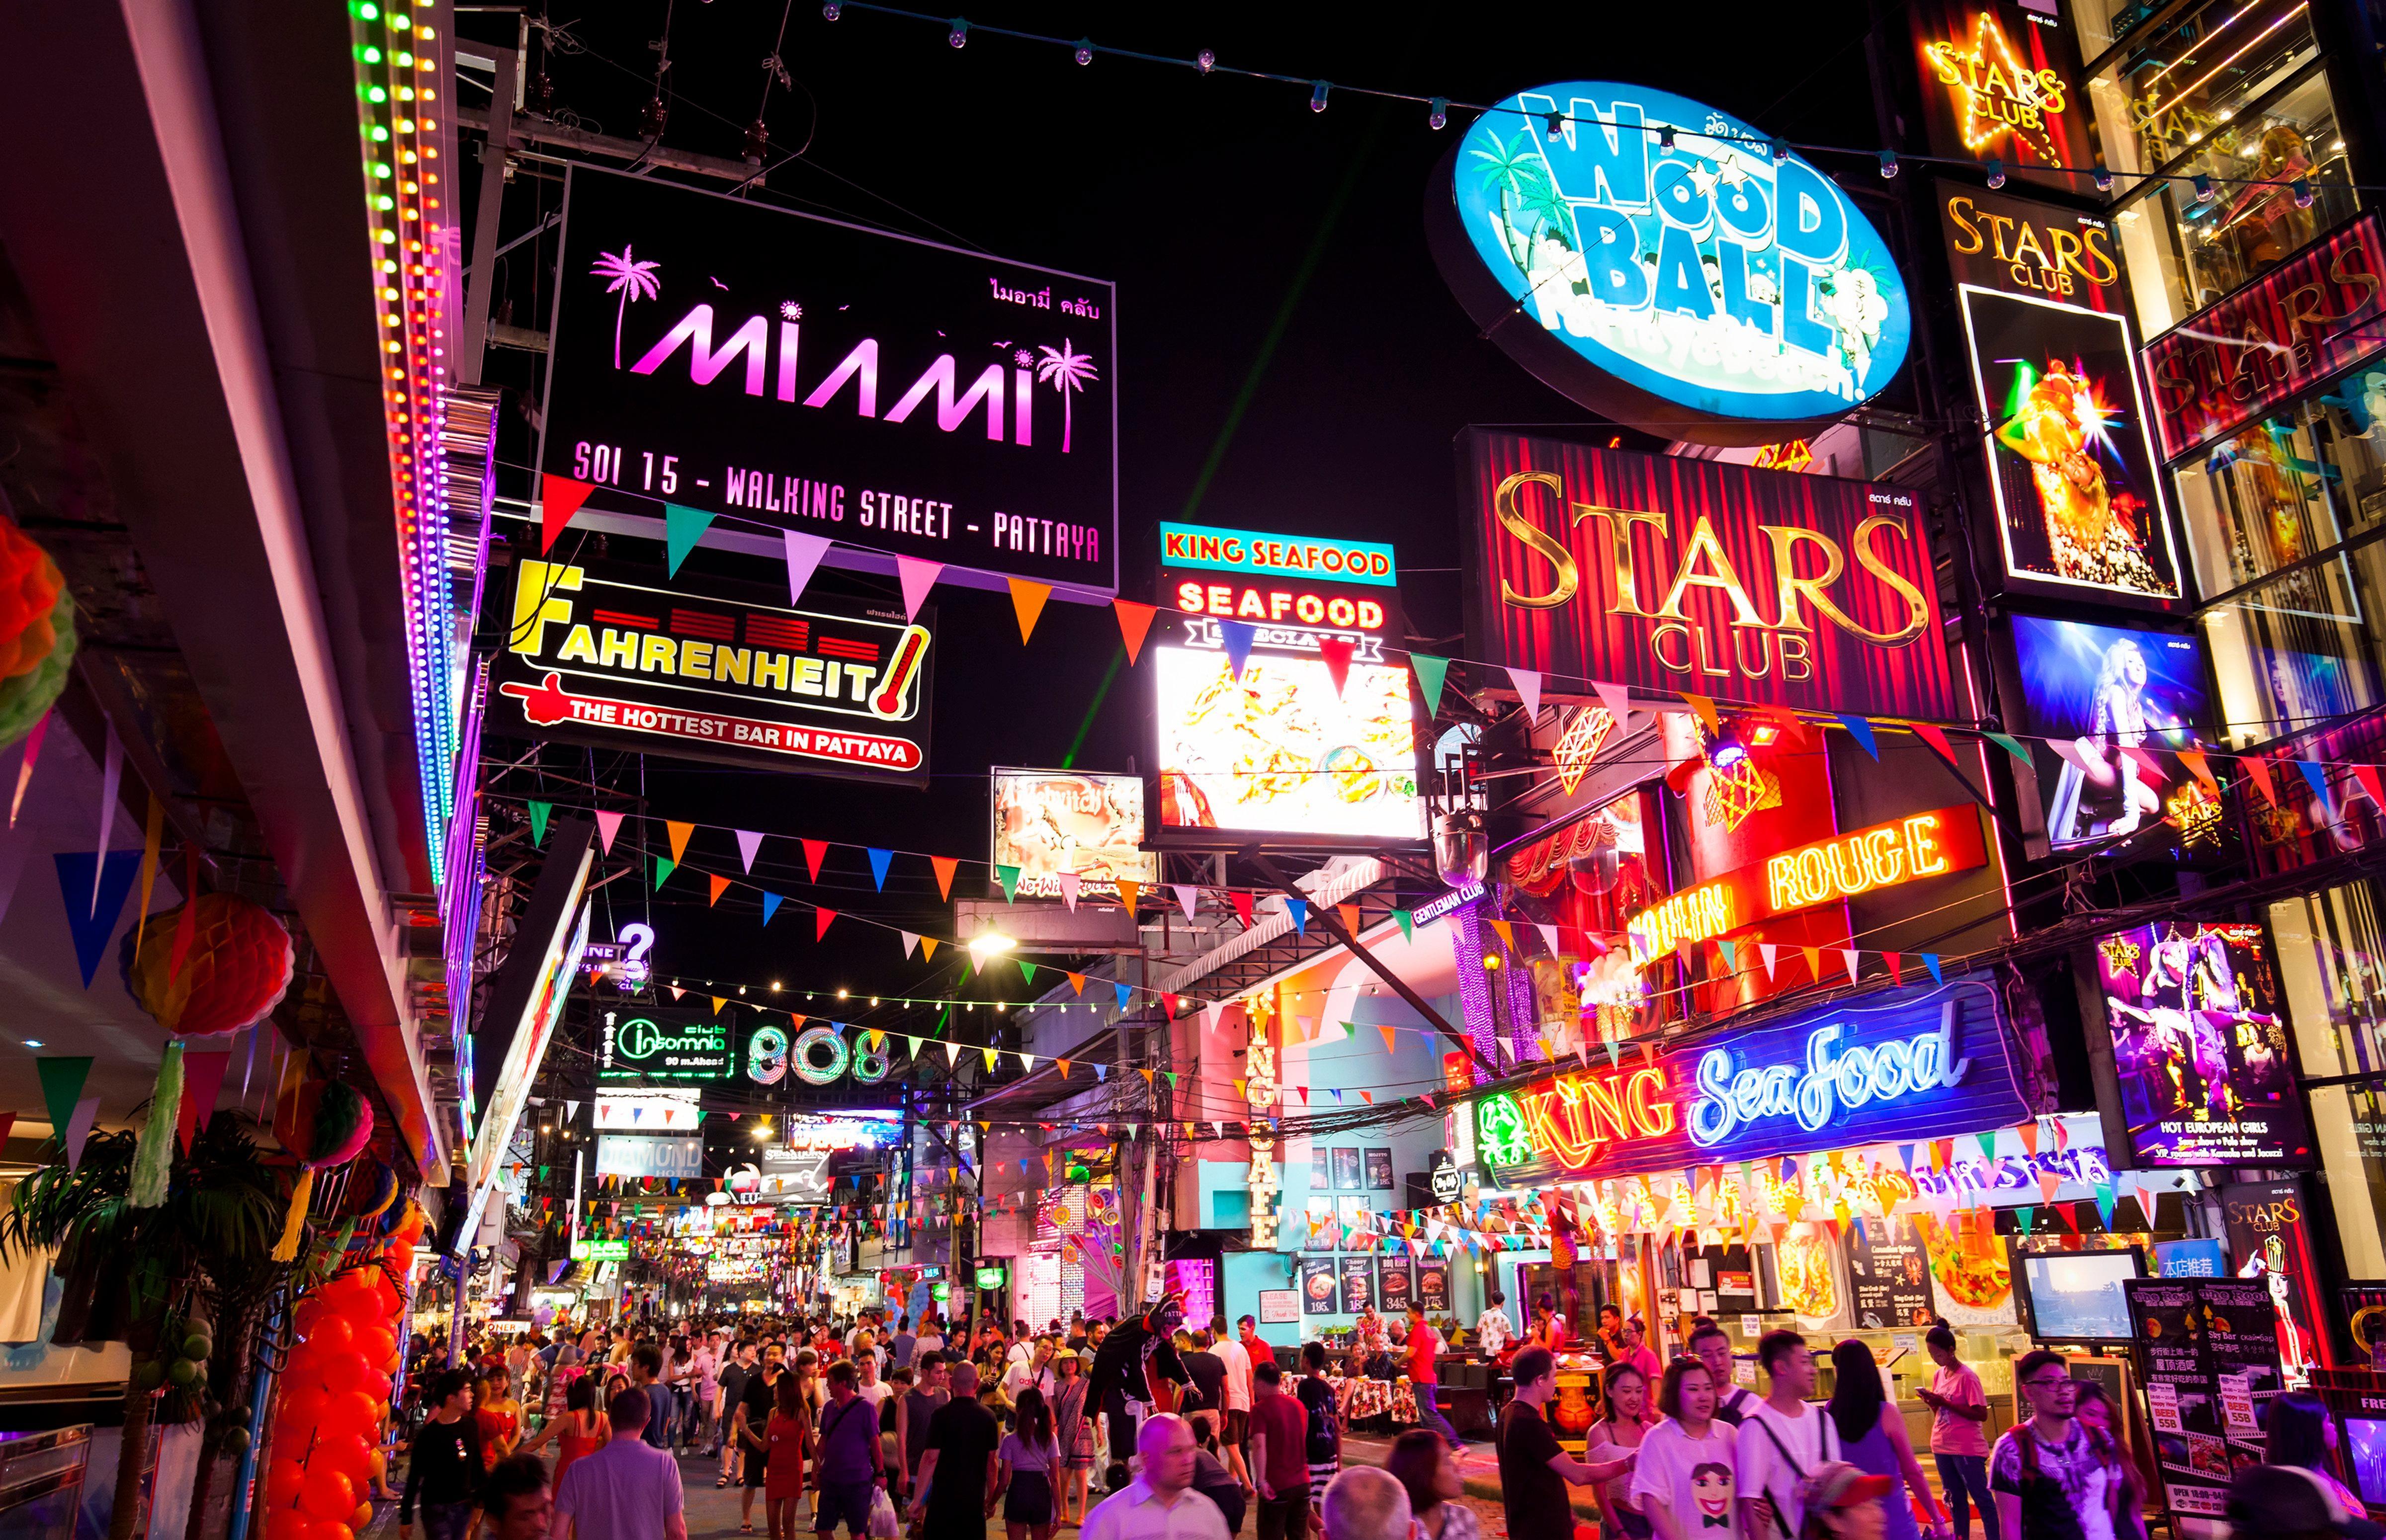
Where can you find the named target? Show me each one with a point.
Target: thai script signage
(610, 657)
(2316, 313)
(1661, 263)
(1925, 1061)
(2000, 80)
(1845, 866)
(885, 392)
(1674, 574)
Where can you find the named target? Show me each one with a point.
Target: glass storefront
(2332, 964)
(2180, 84)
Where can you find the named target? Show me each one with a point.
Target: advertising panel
(1971, 1277)
(1358, 1284)
(1320, 1294)
(2111, 707)
(1645, 255)
(2310, 317)
(664, 1044)
(2200, 1047)
(1768, 588)
(2209, 1353)
(610, 657)
(1049, 823)
(1280, 750)
(2001, 82)
(2081, 510)
(1346, 1171)
(639, 1110)
(2271, 1242)
(1396, 1277)
(525, 1002)
(1889, 1275)
(1433, 1286)
(891, 395)
(1813, 1277)
(644, 1155)
(1924, 1062)
(1379, 1170)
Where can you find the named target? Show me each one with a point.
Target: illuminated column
(1477, 1013)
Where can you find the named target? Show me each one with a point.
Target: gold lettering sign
(2028, 247)
(1996, 93)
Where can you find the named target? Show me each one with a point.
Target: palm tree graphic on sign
(1068, 370)
(631, 281)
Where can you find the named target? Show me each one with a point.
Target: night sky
(1290, 359)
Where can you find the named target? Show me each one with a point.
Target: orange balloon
(349, 1371)
(378, 1344)
(288, 1523)
(333, 1333)
(377, 1465)
(343, 1452)
(362, 1517)
(302, 1413)
(282, 1479)
(326, 1494)
(304, 1319)
(353, 1412)
(331, 1530)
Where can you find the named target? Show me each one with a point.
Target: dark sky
(1290, 358)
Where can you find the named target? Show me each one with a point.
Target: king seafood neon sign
(1922, 1062)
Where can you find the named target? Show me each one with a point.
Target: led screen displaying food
(1278, 748)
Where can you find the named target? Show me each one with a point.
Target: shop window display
(2181, 83)
(2295, 652)
(2286, 489)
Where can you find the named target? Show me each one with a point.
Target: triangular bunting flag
(1704, 708)
(1242, 902)
(608, 825)
(1236, 638)
(822, 919)
(917, 577)
(879, 861)
(1768, 951)
(664, 867)
(1848, 954)
(1408, 924)
(770, 902)
(910, 942)
(748, 843)
(1027, 603)
(1133, 622)
(84, 878)
(804, 553)
(1076, 981)
(1527, 683)
(1616, 697)
(1008, 877)
(62, 1081)
(1186, 896)
(1124, 992)
(1128, 893)
(1298, 910)
(944, 867)
(1431, 673)
(679, 834)
(559, 499)
(1930, 733)
(719, 885)
(1068, 883)
(1392, 1037)
(814, 851)
(1860, 728)
(683, 527)
(1335, 651)
(928, 946)
(539, 812)
(2258, 769)
(1931, 960)
(2011, 746)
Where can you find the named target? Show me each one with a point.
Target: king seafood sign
(905, 398)
(613, 658)
(1664, 264)
(1671, 574)
(1925, 1061)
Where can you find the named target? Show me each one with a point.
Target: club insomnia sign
(1653, 259)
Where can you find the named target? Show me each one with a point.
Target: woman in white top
(1620, 1429)
(1684, 1482)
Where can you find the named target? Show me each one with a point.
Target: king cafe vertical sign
(1673, 574)
(1666, 264)
(1925, 1061)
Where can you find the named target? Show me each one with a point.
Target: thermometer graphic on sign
(886, 702)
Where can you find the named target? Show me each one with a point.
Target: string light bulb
(830, 11)
(1780, 151)
(1084, 50)
(2202, 185)
(1996, 172)
(1206, 60)
(1665, 136)
(1317, 90)
(1556, 123)
(2303, 193)
(1888, 165)
(958, 36)
(1437, 113)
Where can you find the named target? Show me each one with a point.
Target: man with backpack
(1782, 1440)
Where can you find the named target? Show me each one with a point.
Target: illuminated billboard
(2200, 1047)
(1652, 258)
(1766, 587)
(2070, 448)
(1279, 750)
(643, 1110)
(2000, 80)
(526, 1000)
(1049, 823)
(732, 357)
(2109, 707)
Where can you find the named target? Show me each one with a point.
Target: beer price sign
(1764, 587)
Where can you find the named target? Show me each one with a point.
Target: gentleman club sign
(1671, 574)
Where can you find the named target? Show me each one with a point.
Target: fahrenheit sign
(1845, 866)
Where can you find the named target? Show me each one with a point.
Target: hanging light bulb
(958, 36)
(1888, 165)
(1665, 136)
(1462, 851)
(1996, 172)
(1317, 90)
(1437, 113)
(2103, 180)
(830, 11)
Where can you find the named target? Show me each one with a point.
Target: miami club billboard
(894, 395)
(1761, 587)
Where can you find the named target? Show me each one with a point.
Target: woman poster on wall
(1348, 1177)
(2112, 706)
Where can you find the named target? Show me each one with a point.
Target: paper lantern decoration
(236, 966)
(371, 1194)
(323, 1122)
(25, 696)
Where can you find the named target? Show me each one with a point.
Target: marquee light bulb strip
(404, 141)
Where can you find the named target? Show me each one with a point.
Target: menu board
(1971, 1280)
(1358, 1284)
(1433, 1286)
(1317, 1286)
(1889, 1275)
(1397, 1280)
(2209, 1349)
(1379, 1170)
(1321, 1173)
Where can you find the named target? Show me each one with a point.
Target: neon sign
(1927, 1061)
(1887, 855)
(1580, 743)
(1249, 551)
(1835, 1078)
(1666, 262)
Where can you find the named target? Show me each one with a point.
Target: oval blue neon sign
(1702, 289)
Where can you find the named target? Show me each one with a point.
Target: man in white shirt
(871, 1389)
(1237, 1360)
(1493, 1326)
(1160, 1504)
(1782, 1440)
(628, 1489)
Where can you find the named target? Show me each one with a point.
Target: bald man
(1160, 1504)
(1364, 1503)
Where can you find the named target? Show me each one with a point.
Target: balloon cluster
(326, 1452)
